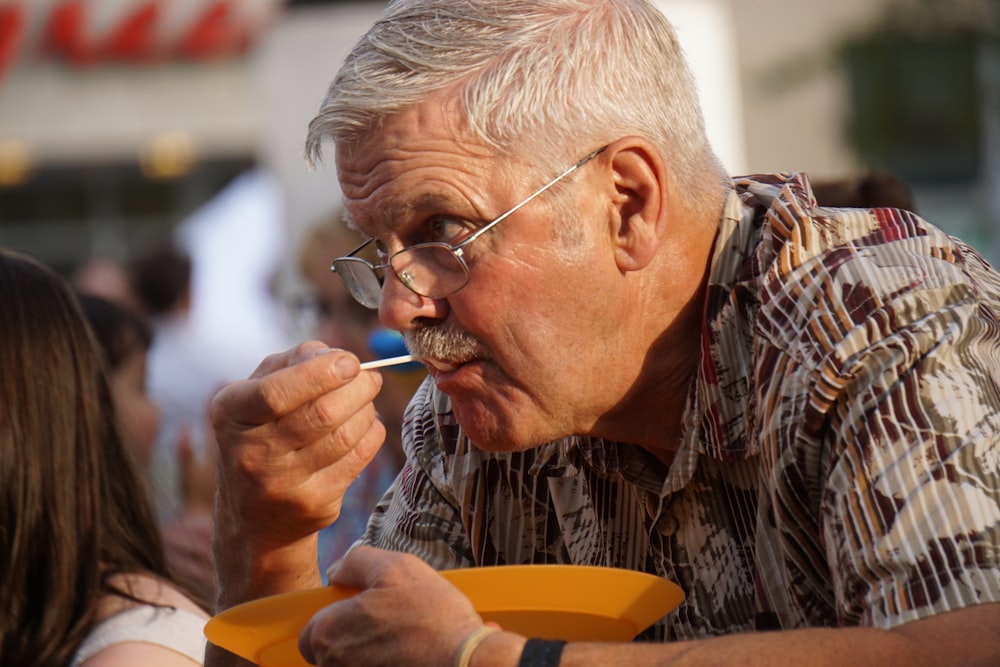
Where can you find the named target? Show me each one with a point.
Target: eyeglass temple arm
(333, 267)
(586, 158)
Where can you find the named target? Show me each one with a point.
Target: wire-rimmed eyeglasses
(435, 269)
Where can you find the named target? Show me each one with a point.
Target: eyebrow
(383, 218)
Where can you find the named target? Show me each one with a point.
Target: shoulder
(131, 654)
(166, 629)
(850, 263)
(786, 208)
(151, 590)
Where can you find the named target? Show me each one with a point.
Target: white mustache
(445, 344)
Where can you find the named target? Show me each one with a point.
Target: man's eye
(381, 251)
(450, 230)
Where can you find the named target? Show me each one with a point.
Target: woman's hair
(73, 508)
(549, 79)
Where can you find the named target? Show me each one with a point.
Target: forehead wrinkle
(391, 217)
(458, 190)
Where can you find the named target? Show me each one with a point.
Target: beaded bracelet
(469, 645)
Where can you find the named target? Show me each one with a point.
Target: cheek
(140, 418)
(147, 424)
(541, 297)
(551, 327)
(515, 306)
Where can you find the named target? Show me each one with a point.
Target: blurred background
(127, 124)
(163, 139)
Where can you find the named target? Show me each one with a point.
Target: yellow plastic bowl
(571, 602)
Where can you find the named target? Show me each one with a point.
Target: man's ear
(639, 200)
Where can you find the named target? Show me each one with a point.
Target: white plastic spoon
(390, 361)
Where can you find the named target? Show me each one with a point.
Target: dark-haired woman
(83, 578)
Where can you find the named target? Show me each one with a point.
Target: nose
(400, 308)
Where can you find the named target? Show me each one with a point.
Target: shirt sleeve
(911, 507)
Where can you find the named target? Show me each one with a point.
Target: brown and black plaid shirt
(840, 463)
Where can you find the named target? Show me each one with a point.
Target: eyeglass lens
(430, 269)
(361, 280)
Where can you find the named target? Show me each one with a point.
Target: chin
(483, 427)
(497, 436)
(488, 437)
(498, 419)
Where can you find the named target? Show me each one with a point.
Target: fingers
(360, 627)
(292, 438)
(289, 357)
(283, 383)
(366, 567)
(306, 641)
(310, 482)
(296, 398)
(384, 623)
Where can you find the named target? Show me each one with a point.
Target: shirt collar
(724, 402)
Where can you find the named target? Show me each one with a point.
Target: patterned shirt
(839, 461)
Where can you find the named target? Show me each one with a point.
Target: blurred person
(187, 536)
(85, 581)
(184, 370)
(107, 278)
(341, 322)
(161, 280)
(873, 189)
(637, 360)
(237, 242)
(124, 339)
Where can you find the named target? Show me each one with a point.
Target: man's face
(544, 312)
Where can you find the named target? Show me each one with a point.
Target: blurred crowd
(151, 448)
(165, 371)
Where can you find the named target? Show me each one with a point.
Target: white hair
(547, 78)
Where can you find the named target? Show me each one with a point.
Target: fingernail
(347, 367)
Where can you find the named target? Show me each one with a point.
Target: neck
(669, 350)
(650, 414)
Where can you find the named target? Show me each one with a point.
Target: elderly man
(637, 361)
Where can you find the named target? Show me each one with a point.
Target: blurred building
(119, 119)
(911, 87)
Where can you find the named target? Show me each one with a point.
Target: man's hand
(405, 614)
(291, 439)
